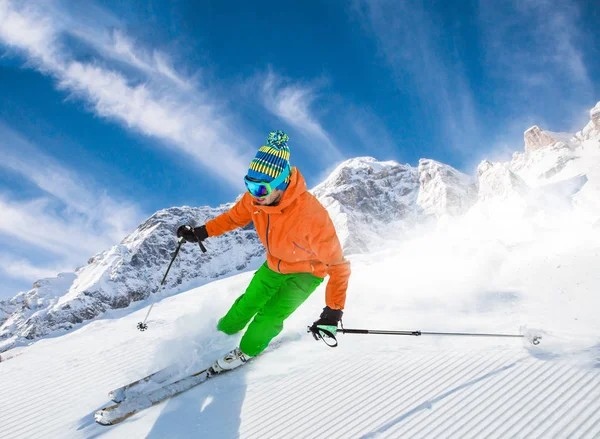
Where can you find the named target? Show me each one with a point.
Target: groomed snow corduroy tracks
(322, 393)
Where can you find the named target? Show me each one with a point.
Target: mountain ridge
(371, 202)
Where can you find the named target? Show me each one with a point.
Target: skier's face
(270, 200)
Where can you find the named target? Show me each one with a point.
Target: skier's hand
(196, 234)
(327, 323)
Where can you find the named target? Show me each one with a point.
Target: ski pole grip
(202, 247)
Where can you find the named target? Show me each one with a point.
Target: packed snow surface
(455, 278)
(516, 252)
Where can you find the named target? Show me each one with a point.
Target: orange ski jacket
(298, 235)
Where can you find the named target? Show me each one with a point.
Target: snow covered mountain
(370, 202)
(370, 386)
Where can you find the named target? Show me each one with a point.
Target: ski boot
(231, 360)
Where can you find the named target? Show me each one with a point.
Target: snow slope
(524, 257)
(455, 279)
(371, 203)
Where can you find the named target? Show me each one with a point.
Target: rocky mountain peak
(595, 117)
(371, 202)
(497, 181)
(444, 190)
(536, 138)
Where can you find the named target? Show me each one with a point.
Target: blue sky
(112, 110)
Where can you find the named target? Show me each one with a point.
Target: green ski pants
(270, 298)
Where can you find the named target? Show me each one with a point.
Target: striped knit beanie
(272, 159)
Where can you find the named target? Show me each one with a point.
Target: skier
(302, 248)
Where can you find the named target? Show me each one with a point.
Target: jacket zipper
(268, 222)
(268, 250)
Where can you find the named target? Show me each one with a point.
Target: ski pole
(142, 326)
(534, 340)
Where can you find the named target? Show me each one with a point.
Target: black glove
(196, 234)
(327, 324)
(329, 317)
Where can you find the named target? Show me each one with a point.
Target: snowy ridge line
(501, 398)
(567, 394)
(441, 423)
(377, 424)
(280, 409)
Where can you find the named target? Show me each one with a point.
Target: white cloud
(189, 122)
(70, 219)
(38, 224)
(80, 197)
(115, 44)
(536, 43)
(22, 269)
(292, 103)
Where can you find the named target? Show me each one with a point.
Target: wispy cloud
(188, 121)
(536, 42)
(70, 218)
(536, 50)
(115, 44)
(293, 103)
(407, 38)
(22, 269)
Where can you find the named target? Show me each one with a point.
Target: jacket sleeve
(238, 216)
(326, 245)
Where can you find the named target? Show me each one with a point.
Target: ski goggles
(262, 189)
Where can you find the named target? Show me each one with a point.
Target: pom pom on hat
(278, 139)
(272, 159)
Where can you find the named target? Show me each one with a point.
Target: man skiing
(302, 248)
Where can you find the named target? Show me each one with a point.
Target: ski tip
(100, 418)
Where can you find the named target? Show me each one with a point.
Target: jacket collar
(296, 188)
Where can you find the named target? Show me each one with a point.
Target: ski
(118, 412)
(160, 377)
(136, 396)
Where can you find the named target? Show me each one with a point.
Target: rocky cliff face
(595, 117)
(443, 190)
(128, 272)
(536, 138)
(497, 181)
(369, 201)
(556, 169)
